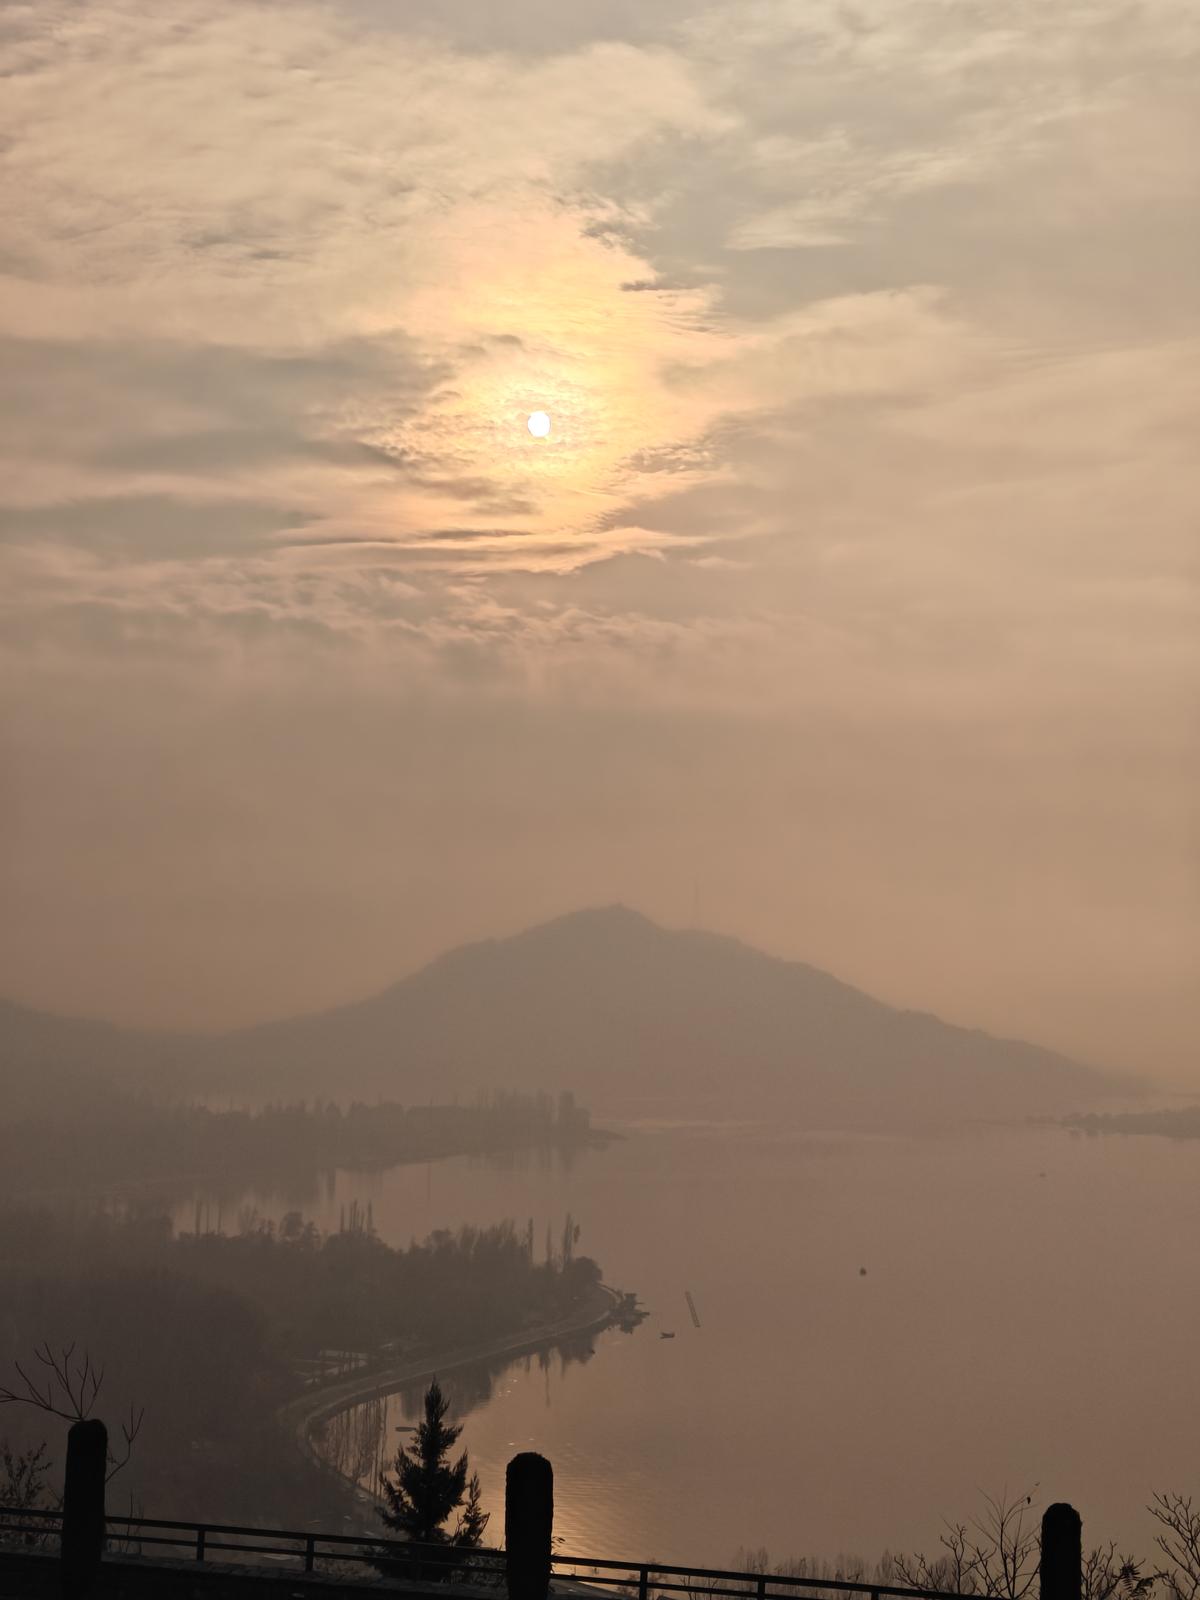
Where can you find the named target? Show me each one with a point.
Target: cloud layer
(856, 578)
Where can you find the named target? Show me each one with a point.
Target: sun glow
(562, 391)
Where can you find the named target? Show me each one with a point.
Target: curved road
(315, 1406)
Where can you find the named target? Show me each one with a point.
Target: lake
(1027, 1316)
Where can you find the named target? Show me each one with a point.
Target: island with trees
(129, 1142)
(1183, 1122)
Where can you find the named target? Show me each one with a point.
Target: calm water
(1028, 1316)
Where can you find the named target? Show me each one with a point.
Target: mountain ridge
(632, 1016)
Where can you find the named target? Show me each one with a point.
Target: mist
(600, 715)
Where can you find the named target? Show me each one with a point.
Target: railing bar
(596, 1561)
(379, 1554)
(711, 1586)
(852, 1584)
(744, 1578)
(223, 1527)
(251, 1549)
(151, 1538)
(307, 1545)
(591, 1577)
(292, 1533)
(709, 1589)
(383, 1545)
(190, 1544)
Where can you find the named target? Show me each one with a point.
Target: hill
(48, 1062)
(635, 1018)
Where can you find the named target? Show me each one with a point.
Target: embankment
(304, 1414)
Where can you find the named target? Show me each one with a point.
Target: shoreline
(305, 1412)
(186, 1185)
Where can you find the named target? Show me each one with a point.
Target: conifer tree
(427, 1488)
(473, 1519)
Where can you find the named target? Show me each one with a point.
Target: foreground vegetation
(996, 1556)
(425, 1488)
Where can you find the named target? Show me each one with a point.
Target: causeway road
(304, 1414)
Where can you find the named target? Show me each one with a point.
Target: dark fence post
(83, 1506)
(1062, 1553)
(528, 1525)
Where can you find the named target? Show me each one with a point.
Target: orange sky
(851, 598)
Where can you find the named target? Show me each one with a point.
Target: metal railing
(206, 1541)
(423, 1564)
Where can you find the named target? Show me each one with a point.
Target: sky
(848, 607)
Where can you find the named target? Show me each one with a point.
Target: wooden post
(1062, 1553)
(83, 1506)
(528, 1525)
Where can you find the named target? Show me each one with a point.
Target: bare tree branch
(1180, 1543)
(129, 1432)
(64, 1394)
(70, 1392)
(1109, 1576)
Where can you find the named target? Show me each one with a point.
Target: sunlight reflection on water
(1000, 1337)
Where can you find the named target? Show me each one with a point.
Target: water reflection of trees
(468, 1388)
(133, 1143)
(535, 1158)
(360, 1443)
(355, 1442)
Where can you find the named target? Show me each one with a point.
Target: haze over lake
(605, 566)
(1023, 1319)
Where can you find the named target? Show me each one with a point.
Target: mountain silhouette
(633, 1017)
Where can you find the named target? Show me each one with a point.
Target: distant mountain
(47, 1062)
(635, 1018)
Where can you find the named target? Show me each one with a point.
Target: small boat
(666, 1336)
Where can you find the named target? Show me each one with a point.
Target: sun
(539, 424)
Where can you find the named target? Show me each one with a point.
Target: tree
(1179, 1542)
(23, 1486)
(428, 1489)
(70, 1393)
(473, 1519)
(997, 1556)
(1109, 1574)
(994, 1555)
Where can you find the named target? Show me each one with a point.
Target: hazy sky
(850, 605)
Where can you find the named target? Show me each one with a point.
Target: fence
(523, 1569)
(206, 1541)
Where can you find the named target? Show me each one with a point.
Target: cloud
(250, 164)
(864, 528)
(149, 527)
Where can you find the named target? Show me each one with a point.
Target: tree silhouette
(474, 1519)
(428, 1489)
(70, 1393)
(1180, 1543)
(998, 1556)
